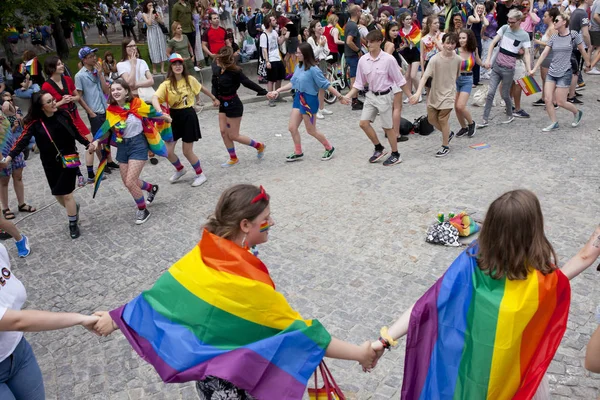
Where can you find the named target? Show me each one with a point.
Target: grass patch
(102, 48)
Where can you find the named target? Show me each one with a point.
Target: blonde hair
(516, 14)
(333, 19)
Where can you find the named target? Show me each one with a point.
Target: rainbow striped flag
(413, 37)
(529, 85)
(216, 312)
(474, 337)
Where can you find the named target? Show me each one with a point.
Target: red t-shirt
(215, 39)
(70, 87)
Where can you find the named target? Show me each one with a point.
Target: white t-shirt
(12, 296)
(140, 74)
(273, 45)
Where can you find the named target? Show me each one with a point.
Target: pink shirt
(380, 73)
(530, 22)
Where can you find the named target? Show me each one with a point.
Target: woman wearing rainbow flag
(132, 120)
(490, 326)
(216, 317)
(410, 35)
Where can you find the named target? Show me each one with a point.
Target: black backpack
(251, 27)
(406, 127)
(422, 126)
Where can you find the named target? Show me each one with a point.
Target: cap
(85, 51)
(175, 57)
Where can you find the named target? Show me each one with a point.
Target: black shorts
(232, 108)
(411, 55)
(185, 125)
(276, 72)
(334, 58)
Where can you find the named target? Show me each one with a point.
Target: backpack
(127, 20)
(251, 26)
(422, 126)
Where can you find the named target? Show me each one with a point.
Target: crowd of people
(391, 54)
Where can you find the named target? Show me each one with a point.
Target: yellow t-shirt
(184, 97)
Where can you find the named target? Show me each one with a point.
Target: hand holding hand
(104, 326)
(345, 101)
(486, 65)
(272, 95)
(531, 71)
(377, 346)
(168, 119)
(216, 102)
(92, 147)
(368, 356)
(89, 321)
(414, 99)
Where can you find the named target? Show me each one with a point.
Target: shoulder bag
(68, 160)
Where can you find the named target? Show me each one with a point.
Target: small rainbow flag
(474, 337)
(480, 146)
(529, 85)
(216, 312)
(101, 168)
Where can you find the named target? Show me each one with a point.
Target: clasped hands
(100, 323)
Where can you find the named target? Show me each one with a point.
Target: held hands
(104, 326)
(487, 65)
(345, 101)
(532, 71)
(368, 357)
(216, 102)
(92, 147)
(272, 95)
(414, 99)
(89, 321)
(167, 118)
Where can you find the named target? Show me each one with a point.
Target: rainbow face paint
(264, 226)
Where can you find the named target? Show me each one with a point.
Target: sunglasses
(556, 21)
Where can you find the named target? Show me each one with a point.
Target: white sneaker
(594, 71)
(197, 69)
(405, 101)
(200, 179)
(178, 174)
(320, 115)
(326, 112)
(420, 99)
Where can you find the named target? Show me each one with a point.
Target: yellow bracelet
(384, 334)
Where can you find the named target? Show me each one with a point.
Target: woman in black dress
(55, 135)
(226, 80)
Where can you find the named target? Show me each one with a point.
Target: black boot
(74, 229)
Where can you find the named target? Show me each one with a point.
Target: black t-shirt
(292, 29)
(502, 13)
(351, 29)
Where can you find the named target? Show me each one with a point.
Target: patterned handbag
(330, 390)
(69, 160)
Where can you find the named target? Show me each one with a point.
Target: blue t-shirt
(89, 83)
(309, 81)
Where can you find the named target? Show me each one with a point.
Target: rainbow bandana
(216, 312)
(474, 337)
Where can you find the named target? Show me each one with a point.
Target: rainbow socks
(197, 167)
(141, 203)
(145, 186)
(177, 165)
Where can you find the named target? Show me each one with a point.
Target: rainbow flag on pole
(474, 337)
(529, 85)
(216, 312)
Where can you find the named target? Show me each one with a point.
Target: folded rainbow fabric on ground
(474, 337)
(216, 312)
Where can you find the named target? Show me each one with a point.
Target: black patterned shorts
(213, 388)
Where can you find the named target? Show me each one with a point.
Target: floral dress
(7, 138)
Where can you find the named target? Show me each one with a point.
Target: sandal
(26, 208)
(8, 214)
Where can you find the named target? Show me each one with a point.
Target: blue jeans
(26, 94)
(20, 375)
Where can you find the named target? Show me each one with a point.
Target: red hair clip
(261, 196)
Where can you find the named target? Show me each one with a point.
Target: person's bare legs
(549, 87)
(367, 128)
(17, 176)
(4, 181)
(293, 125)
(11, 229)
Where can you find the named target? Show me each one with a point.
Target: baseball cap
(175, 57)
(85, 51)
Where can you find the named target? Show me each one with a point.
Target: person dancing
(410, 35)
(560, 72)
(179, 91)
(55, 135)
(131, 118)
(226, 79)
(307, 80)
(467, 50)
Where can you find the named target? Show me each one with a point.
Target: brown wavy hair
(226, 60)
(512, 239)
(234, 206)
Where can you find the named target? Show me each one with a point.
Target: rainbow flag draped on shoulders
(413, 39)
(156, 130)
(216, 312)
(474, 337)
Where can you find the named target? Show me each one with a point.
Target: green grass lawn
(115, 49)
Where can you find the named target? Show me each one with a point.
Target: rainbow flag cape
(216, 312)
(529, 85)
(474, 337)
(413, 37)
(101, 168)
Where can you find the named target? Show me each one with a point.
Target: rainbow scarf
(474, 337)
(413, 37)
(116, 118)
(216, 312)
(31, 67)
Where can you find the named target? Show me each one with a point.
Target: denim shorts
(562, 81)
(352, 62)
(135, 148)
(464, 83)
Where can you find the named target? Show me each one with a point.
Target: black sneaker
(472, 129)
(577, 94)
(574, 100)
(377, 155)
(462, 132)
(112, 165)
(74, 229)
(392, 160)
(401, 138)
(142, 216)
(451, 136)
(294, 157)
(443, 151)
(539, 102)
(357, 105)
(151, 194)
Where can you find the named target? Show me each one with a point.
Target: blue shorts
(562, 81)
(307, 104)
(464, 83)
(135, 148)
(352, 62)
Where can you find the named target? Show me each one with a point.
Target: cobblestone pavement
(348, 246)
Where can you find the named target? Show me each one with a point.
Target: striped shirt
(562, 47)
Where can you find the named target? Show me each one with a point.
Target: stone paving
(348, 247)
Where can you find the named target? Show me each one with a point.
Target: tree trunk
(62, 48)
